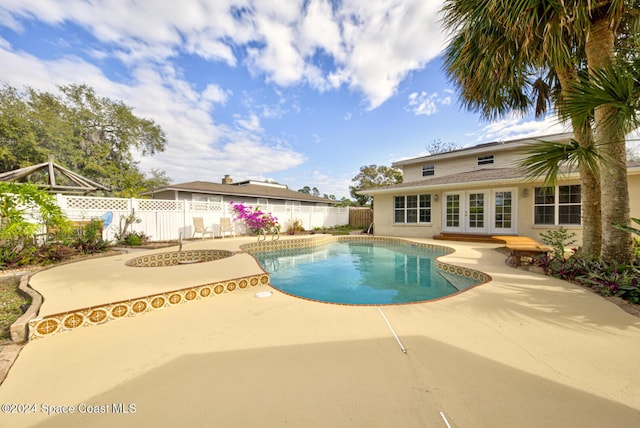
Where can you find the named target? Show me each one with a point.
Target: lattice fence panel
(160, 205)
(205, 206)
(97, 204)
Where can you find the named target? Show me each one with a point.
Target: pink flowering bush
(255, 219)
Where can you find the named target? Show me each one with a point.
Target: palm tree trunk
(589, 181)
(591, 207)
(616, 243)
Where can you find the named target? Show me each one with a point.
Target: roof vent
(227, 179)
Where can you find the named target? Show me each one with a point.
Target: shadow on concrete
(366, 383)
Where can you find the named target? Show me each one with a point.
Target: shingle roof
(477, 177)
(486, 147)
(247, 190)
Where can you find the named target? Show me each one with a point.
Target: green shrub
(25, 211)
(294, 226)
(54, 252)
(89, 239)
(16, 256)
(611, 279)
(135, 238)
(559, 240)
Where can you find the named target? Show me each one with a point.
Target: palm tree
(554, 37)
(521, 58)
(614, 89)
(601, 22)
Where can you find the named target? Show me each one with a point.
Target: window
(558, 205)
(412, 209)
(428, 169)
(503, 208)
(485, 160)
(569, 205)
(206, 198)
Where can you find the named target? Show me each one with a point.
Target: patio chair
(226, 226)
(199, 227)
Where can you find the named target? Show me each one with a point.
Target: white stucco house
(480, 190)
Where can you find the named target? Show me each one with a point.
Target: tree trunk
(616, 244)
(591, 207)
(589, 181)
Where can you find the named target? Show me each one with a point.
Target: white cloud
(251, 124)
(327, 182)
(516, 127)
(370, 46)
(197, 146)
(423, 103)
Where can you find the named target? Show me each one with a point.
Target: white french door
(452, 212)
(479, 211)
(476, 218)
(504, 212)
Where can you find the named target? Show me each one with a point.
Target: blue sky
(300, 92)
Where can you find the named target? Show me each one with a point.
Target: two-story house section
(481, 190)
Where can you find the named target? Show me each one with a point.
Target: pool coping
(51, 324)
(456, 270)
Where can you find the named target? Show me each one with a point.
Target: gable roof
(493, 147)
(478, 178)
(245, 189)
(483, 177)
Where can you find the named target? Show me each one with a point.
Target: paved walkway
(523, 350)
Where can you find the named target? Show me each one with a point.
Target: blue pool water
(369, 273)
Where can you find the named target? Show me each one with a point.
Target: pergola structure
(68, 182)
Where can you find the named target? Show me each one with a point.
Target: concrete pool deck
(523, 350)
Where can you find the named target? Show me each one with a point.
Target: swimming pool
(361, 273)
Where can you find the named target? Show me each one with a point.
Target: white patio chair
(226, 227)
(199, 227)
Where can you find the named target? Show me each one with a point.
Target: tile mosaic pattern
(465, 272)
(178, 257)
(52, 324)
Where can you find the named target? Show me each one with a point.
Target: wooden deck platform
(520, 246)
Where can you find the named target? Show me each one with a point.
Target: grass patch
(339, 230)
(10, 301)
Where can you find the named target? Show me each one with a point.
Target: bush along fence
(166, 220)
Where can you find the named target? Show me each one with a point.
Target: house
(211, 202)
(254, 193)
(481, 190)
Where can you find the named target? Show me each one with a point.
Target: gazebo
(55, 178)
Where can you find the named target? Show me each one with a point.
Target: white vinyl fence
(165, 220)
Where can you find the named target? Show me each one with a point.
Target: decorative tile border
(96, 315)
(175, 258)
(287, 244)
(100, 314)
(461, 271)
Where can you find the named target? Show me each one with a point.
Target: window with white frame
(485, 160)
(412, 209)
(558, 205)
(205, 198)
(428, 169)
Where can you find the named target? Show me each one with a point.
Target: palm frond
(616, 86)
(549, 159)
